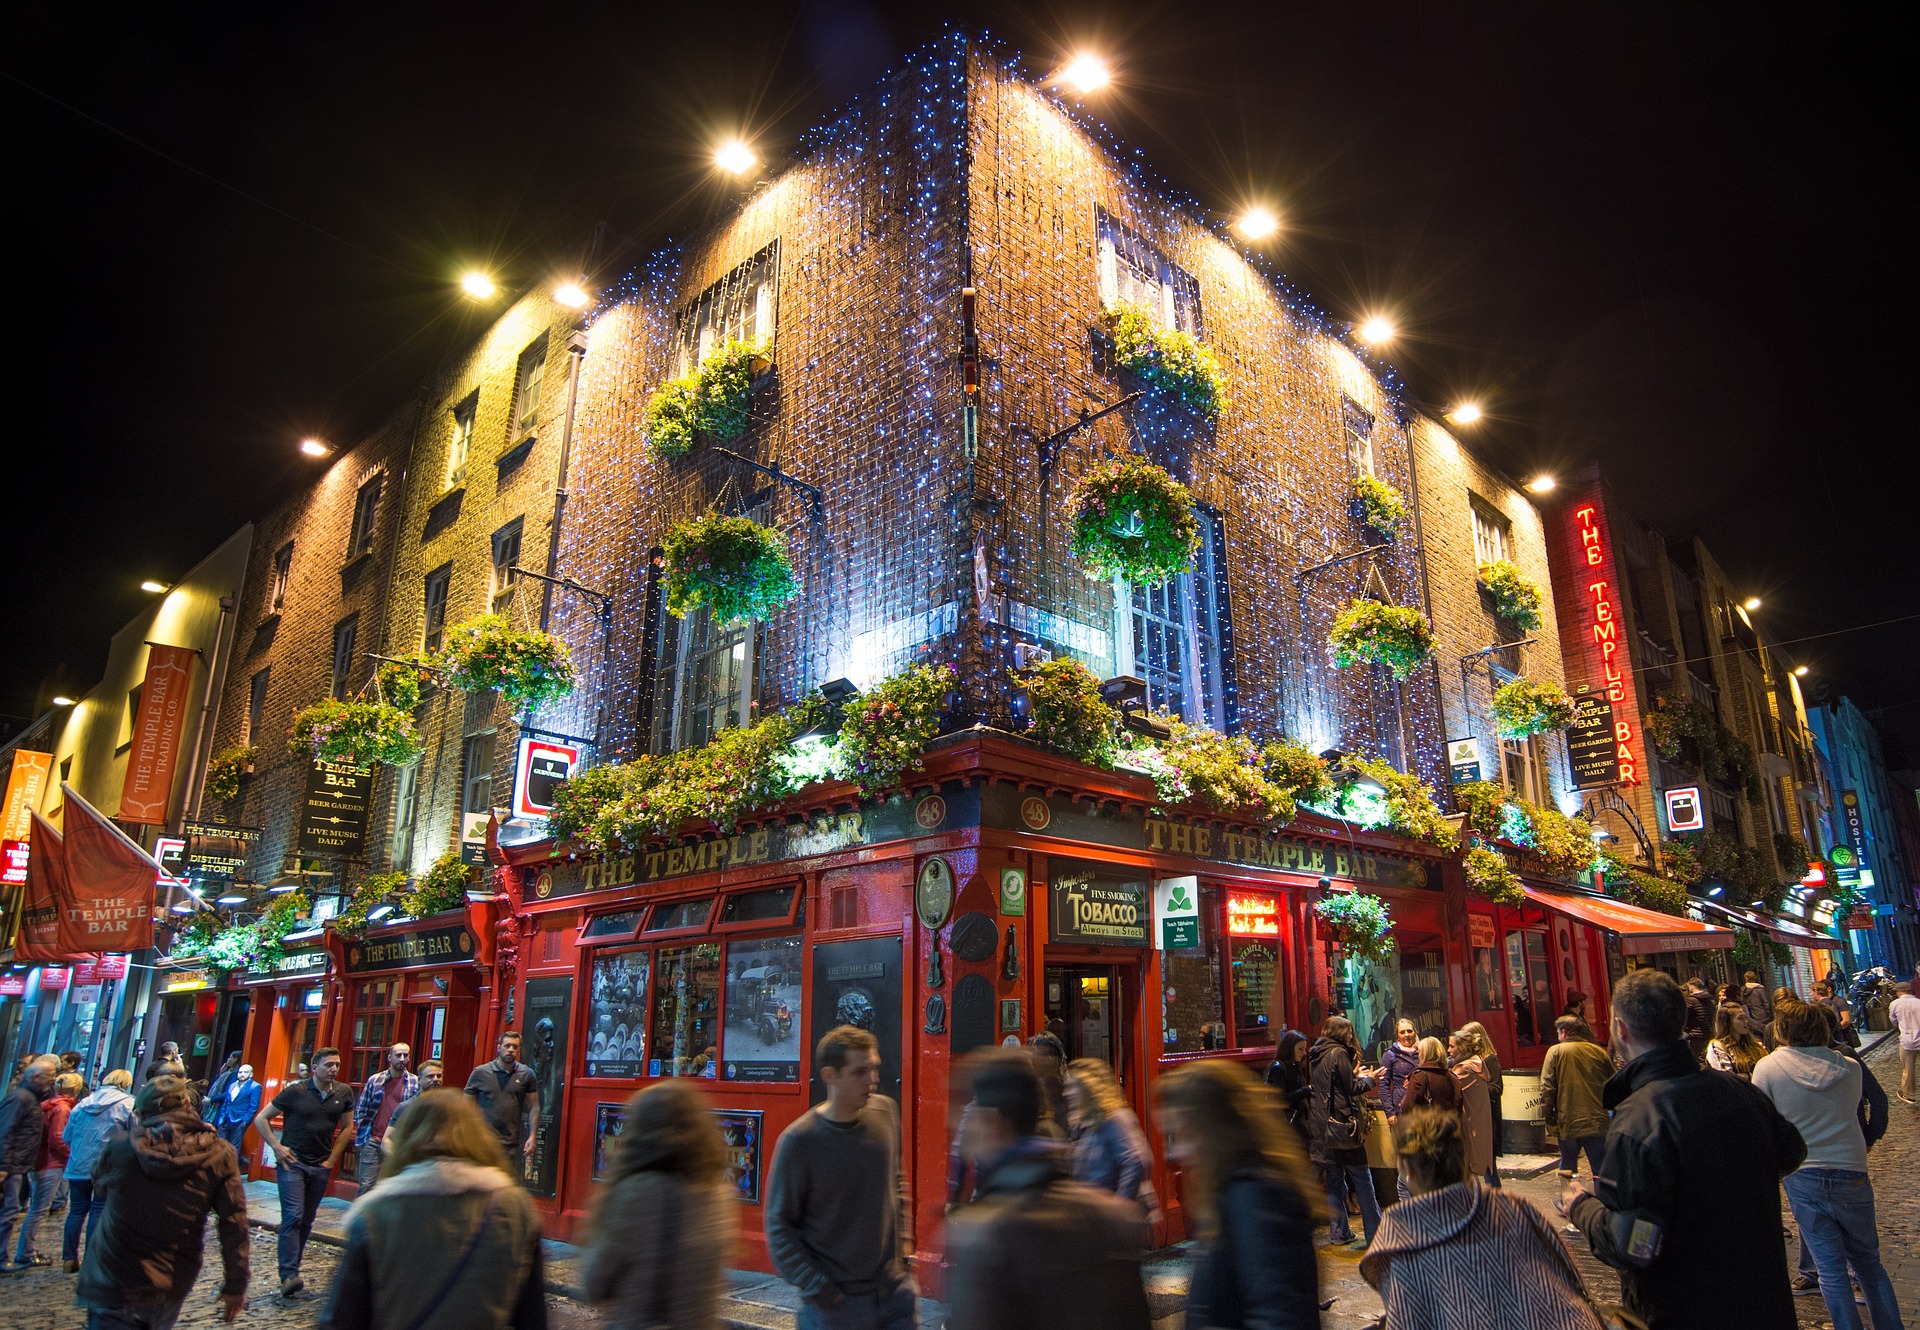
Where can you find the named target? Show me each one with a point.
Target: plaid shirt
(368, 1107)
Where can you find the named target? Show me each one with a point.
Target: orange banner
(46, 899)
(24, 784)
(110, 884)
(156, 736)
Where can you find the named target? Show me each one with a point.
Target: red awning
(1640, 930)
(1789, 931)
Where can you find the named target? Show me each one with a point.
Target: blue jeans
(897, 1308)
(1571, 1146)
(15, 1189)
(1834, 1209)
(81, 1213)
(160, 1317)
(302, 1188)
(1339, 1178)
(45, 1183)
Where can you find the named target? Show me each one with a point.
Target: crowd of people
(1688, 1137)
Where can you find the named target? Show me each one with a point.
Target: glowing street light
(1257, 223)
(314, 448)
(1464, 414)
(1376, 330)
(1751, 602)
(1542, 484)
(477, 284)
(572, 295)
(735, 157)
(63, 701)
(1087, 72)
(153, 588)
(1799, 671)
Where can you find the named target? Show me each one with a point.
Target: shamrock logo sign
(1179, 899)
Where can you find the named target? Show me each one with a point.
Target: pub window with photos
(1175, 635)
(1356, 425)
(506, 557)
(738, 307)
(1133, 272)
(685, 1030)
(528, 379)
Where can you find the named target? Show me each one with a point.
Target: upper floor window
(366, 506)
(506, 556)
(1356, 422)
(1132, 272)
(477, 786)
(738, 307)
(282, 576)
(256, 705)
(343, 634)
(435, 633)
(1520, 769)
(708, 678)
(1173, 635)
(526, 394)
(406, 812)
(1492, 542)
(460, 449)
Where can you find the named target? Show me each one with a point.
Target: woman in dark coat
(1338, 1094)
(1288, 1076)
(1430, 1086)
(1251, 1197)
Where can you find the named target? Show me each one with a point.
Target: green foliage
(1515, 599)
(1368, 632)
(1226, 773)
(1725, 757)
(1680, 862)
(1634, 885)
(737, 568)
(1133, 520)
(1745, 871)
(1360, 921)
(527, 668)
(1408, 804)
(1563, 845)
(1525, 707)
(1491, 876)
(1298, 770)
(715, 399)
(1386, 511)
(1792, 852)
(368, 895)
(1752, 953)
(444, 887)
(398, 681)
(1167, 360)
(357, 733)
(227, 770)
(193, 937)
(886, 730)
(1068, 714)
(242, 946)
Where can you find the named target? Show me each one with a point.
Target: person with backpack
(1337, 1129)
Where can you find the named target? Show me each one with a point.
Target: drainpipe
(203, 733)
(576, 355)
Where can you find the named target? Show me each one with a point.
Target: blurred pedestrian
(1036, 1251)
(1699, 1024)
(380, 1098)
(1461, 1255)
(1433, 1086)
(663, 1229)
(69, 1066)
(1338, 1130)
(1578, 1005)
(222, 1079)
(1686, 1202)
(1818, 1090)
(1573, 1085)
(307, 1147)
(448, 1240)
(52, 1162)
(1251, 1195)
(1734, 1049)
(1827, 994)
(1110, 1151)
(1905, 1011)
(156, 1186)
(1396, 1064)
(1287, 1076)
(1759, 1008)
(1050, 1064)
(508, 1094)
(92, 1123)
(23, 1127)
(70, 1063)
(836, 1211)
(234, 1107)
(1476, 1103)
(1481, 1044)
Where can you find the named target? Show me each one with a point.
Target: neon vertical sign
(1604, 628)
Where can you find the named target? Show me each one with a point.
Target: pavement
(43, 1300)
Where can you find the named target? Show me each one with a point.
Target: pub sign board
(216, 851)
(1593, 750)
(1096, 905)
(333, 816)
(411, 949)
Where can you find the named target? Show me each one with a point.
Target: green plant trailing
(885, 731)
(1359, 921)
(528, 668)
(1369, 632)
(443, 888)
(249, 946)
(1515, 599)
(1629, 882)
(1490, 876)
(1133, 520)
(227, 770)
(1407, 804)
(368, 895)
(1298, 770)
(357, 733)
(737, 568)
(1067, 713)
(1167, 360)
(1562, 845)
(1225, 773)
(1381, 505)
(715, 399)
(1746, 872)
(1725, 757)
(1526, 707)
(399, 681)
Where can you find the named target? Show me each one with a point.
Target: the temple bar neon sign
(1253, 916)
(1606, 637)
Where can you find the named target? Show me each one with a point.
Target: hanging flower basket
(356, 733)
(886, 730)
(1167, 360)
(1491, 877)
(1515, 599)
(1525, 707)
(1359, 922)
(738, 569)
(226, 772)
(528, 669)
(1133, 520)
(716, 399)
(399, 681)
(1380, 505)
(1068, 713)
(1368, 632)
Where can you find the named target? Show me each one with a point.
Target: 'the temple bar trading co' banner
(157, 731)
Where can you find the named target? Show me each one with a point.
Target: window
(1193, 1006)
(762, 1037)
(708, 679)
(66, 769)
(1171, 635)
(1132, 272)
(256, 705)
(680, 914)
(133, 713)
(436, 607)
(620, 924)
(1520, 768)
(738, 307)
(477, 796)
(282, 575)
(1490, 542)
(366, 506)
(526, 393)
(617, 1013)
(757, 906)
(1531, 987)
(506, 555)
(376, 1024)
(460, 448)
(343, 634)
(686, 1011)
(406, 811)
(1356, 422)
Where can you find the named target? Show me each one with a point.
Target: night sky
(1678, 242)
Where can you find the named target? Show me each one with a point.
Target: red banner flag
(46, 898)
(111, 881)
(156, 735)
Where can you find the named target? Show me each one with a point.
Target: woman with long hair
(1476, 1102)
(1287, 1076)
(1396, 1064)
(664, 1227)
(1109, 1149)
(1251, 1196)
(1430, 1086)
(1482, 1045)
(1338, 1130)
(448, 1240)
(1734, 1047)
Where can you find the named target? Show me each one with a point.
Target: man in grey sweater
(836, 1204)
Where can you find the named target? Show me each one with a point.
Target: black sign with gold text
(1593, 749)
(333, 816)
(412, 949)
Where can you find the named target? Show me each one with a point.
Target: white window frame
(460, 446)
(257, 703)
(406, 813)
(506, 554)
(281, 579)
(366, 516)
(1356, 425)
(1195, 612)
(432, 637)
(529, 380)
(699, 640)
(476, 773)
(1133, 272)
(1523, 754)
(741, 305)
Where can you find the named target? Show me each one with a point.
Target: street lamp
(152, 587)
(1542, 484)
(477, 284)
(735, 157)
(572, 295)
(1799, 671)
(62, 700)
(1087, 72)
(314, 448)
(1465, 414)
(1258, 223)
(1751, 603)
(1376, 330)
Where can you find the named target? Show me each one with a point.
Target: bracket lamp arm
(779, 477)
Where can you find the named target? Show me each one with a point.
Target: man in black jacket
(22, 1128)
(1686, 1202)
(1699, 1019)
(1035, 1251)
